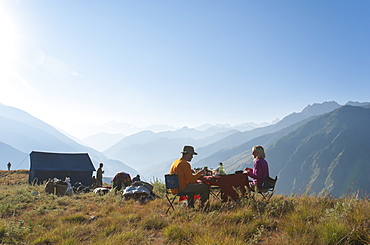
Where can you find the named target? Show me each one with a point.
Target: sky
(180, 63)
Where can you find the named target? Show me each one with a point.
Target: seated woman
(260, 170)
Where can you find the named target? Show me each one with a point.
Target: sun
(9, 53)
(8, 43)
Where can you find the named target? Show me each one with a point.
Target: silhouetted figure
(9, 165)
(99, 174)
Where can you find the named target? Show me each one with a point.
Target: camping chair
(172, 182)
(215, 191)
(267, 190)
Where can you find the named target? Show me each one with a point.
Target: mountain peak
(317, 108)
(356, 103)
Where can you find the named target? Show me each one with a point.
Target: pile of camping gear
(140, 191)
(131, 189)
(58, 187)
(61, 188)
(78, 187)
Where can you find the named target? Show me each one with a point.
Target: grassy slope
(29, 216)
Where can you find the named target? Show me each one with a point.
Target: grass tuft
(77, 218)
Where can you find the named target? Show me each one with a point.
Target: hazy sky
(180, 63)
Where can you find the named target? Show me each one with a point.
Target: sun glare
(8, 43)
(9, 50)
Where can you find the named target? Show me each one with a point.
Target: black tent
(45, 165)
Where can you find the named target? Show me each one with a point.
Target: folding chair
(215, 191)
(172, 182)
(267, 190)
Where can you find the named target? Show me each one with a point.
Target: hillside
(30, 216)
(238, 157)
(239, 138)
(329, 154)
(12, 155)
(14, 177)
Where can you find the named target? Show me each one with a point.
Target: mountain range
(321, 154)
(21, 133)
(152, 154)
(322, 149)
(329, 154)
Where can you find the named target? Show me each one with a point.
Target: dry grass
(30, 216)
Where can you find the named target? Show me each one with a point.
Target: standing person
(9, 165)
(260, 170)
(99, 175)
(187, 180)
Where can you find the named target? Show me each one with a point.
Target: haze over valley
(320, 141)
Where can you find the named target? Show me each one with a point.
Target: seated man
(187, 180)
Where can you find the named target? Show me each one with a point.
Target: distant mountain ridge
(221, 150)
(147, 148)
(328, 154)
(102, 140)
(26, 133)
(239, 138)
(113, 132)
(147, 136)
(323, 154)
(322, 149)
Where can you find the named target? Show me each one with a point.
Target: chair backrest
(269, 183)
(171, 181)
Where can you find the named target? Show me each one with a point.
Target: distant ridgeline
(325, 149)
(320, 154)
